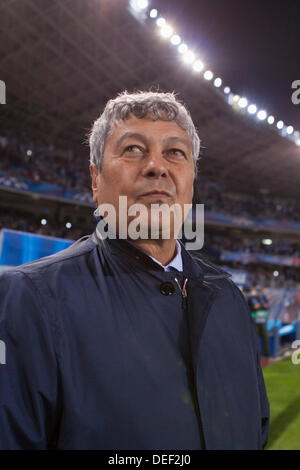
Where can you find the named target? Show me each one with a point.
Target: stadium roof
(62, 60)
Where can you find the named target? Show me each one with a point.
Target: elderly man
(131, 343)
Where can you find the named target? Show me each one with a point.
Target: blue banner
(20, 247)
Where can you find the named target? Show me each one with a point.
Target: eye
(176, 152)
(133, 149)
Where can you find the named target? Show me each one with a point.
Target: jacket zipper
(193, 379)
(183, 288)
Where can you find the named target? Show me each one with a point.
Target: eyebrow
(143, 138)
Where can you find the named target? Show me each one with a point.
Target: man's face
(142, 156)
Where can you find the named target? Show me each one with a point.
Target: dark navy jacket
(104, 352)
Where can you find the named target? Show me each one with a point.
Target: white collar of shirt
(175, 263)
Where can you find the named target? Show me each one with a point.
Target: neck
(162, 250)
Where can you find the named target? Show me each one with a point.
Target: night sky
(253, 45)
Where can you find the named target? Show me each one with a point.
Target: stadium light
(230, 98)
(166, 31)
(252, 109)
(218, 82)
(198, 66)
(297, 138)
(175, 40)
(160, 22)
(189, 57)
(153, 13)
(182, 48)
(243, 102)
(139, 4)
(208, 75)
(261, 115)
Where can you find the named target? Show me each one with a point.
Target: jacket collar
(126, 252)
(194, 265)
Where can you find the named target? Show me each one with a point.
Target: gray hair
(163, 106)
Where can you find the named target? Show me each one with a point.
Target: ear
(94, 174)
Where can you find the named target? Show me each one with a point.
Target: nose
(155, 165)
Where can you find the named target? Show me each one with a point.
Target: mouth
(157, 194)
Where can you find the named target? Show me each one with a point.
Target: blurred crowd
(220, 242)
(14, 220)
(219, 199)
(44, 163)
(263, 275)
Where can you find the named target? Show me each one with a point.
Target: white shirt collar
(176, 262)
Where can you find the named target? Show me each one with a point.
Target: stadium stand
(248, 174)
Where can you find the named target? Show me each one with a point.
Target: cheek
(116, 180)
(110, 178)
(119, 175)
(105, 189)
(186, 187)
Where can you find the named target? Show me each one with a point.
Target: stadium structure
(60, 63)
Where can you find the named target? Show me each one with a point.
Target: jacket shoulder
(210, 269)
(79, 248)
